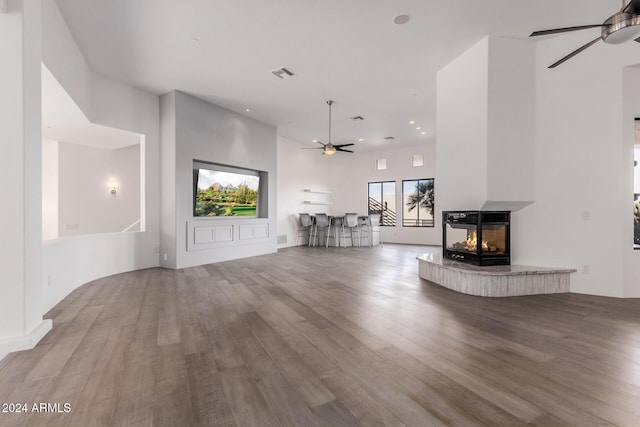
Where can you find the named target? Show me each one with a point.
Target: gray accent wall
(193, 129)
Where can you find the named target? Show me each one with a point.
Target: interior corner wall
(350, 175)
(299, 170)
(70, 262)
(168, 210)
(583, 214)
(462, 105)
(210, 133)
(20, 170)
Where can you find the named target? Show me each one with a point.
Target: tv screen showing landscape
(220, 194)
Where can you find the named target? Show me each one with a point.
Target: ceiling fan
(329, 148)
(621, 27)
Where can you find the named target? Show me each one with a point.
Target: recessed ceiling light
(423, 133)
(411, 122)
(401, 19)
(247, 110)
(314, 140)
(418, 128)
(360, 139)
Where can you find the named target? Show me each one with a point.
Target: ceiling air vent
(282, 73)
(357, 118)
(389, 138)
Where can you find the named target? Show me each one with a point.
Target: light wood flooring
(328, 337)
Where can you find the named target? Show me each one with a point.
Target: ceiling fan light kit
(621, 27)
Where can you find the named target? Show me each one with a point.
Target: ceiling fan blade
(320, 142)
(638, 40)
(342, 145)
(342, 149)
(632, 7)
(312, 148)
(575, 52)
(565, 30)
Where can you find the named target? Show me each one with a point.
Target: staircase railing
(387, 216)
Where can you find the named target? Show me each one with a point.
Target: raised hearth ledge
(493, 281)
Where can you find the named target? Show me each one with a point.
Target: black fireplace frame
(478, 219)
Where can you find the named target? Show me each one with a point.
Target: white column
(21, 324)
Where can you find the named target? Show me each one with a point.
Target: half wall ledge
(493, 281)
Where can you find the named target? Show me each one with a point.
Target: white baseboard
(27, 342)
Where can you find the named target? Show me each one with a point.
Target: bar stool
(337, 223)
(350, 223)
(363, 225)
(374, 227)
(322, 224)
(304, 227)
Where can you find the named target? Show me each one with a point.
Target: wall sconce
(114, 188)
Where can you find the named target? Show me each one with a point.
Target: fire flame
(472, 242)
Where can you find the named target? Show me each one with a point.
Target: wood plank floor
(325, 337)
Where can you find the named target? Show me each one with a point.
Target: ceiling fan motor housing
(621, 28)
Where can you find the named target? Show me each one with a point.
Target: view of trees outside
(226, 194)
(382, 200)
(418, 196)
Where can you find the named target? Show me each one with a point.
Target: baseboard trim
(27, 342)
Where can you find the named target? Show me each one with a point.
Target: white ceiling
(62, 120)
(349, 51)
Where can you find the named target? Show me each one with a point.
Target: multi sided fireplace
(476, 237)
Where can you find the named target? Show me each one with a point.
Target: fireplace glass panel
(494, 239)
(462, 238)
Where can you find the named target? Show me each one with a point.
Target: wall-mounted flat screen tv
(224, 191)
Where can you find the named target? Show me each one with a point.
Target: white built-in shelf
(308, 190)
(311, 202)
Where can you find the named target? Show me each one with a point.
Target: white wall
(209, 133)
(511, 124)
(462, 130)
(582, 158)
(86, 204)
(631, 109)
(485, 127)
(583, 216)
(113, 104)
(298, 170)
(49, 189)
(350, 174)
(20, 172)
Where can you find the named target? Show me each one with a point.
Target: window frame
(433, 215)
(382, 215)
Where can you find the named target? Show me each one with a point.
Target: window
(417, 160)
(418, 202)
(382, 200)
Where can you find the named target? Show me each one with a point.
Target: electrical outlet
(49, 280)
(165, 257)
